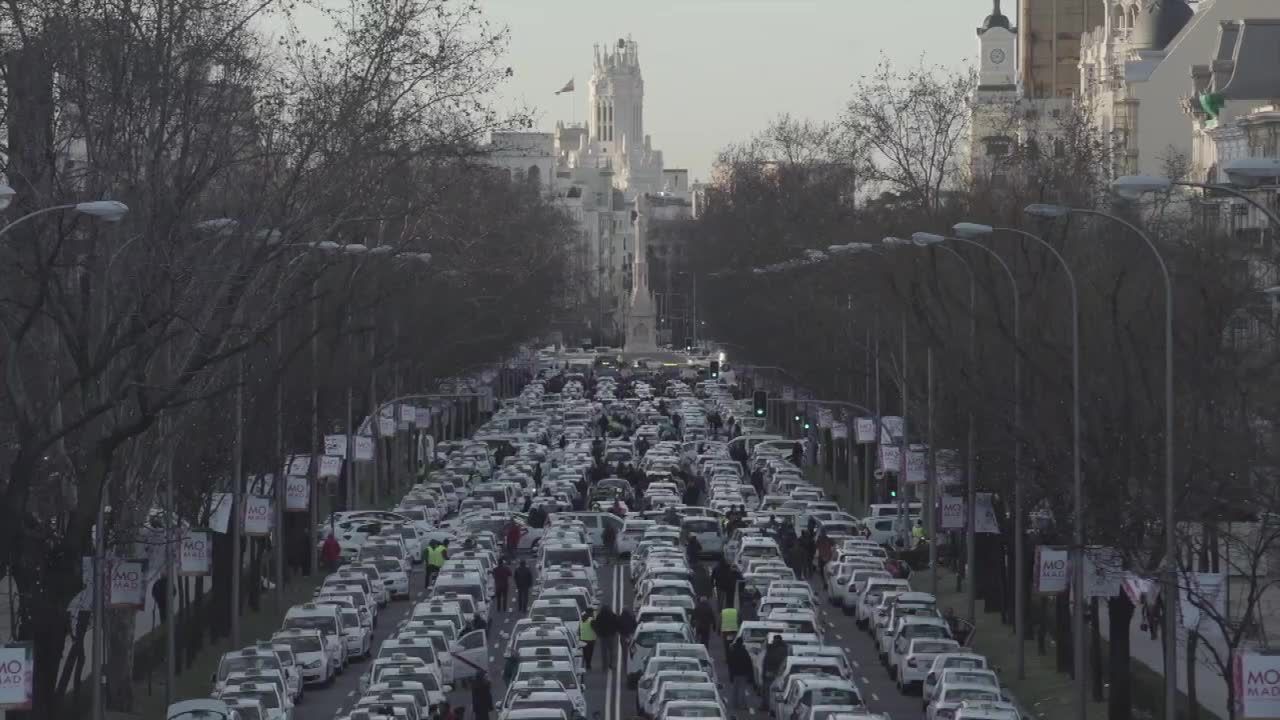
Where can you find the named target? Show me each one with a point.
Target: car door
(470, 655)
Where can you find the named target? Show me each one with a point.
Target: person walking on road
(587, 634)
(331, 552)
(513, 537)
(605, 624)
(501, 584)
(775, 655)
(433, 558)
(693, 549)
(704, 619)
(524, 581)
(481, 697)
(740, 672)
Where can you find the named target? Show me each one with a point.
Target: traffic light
(807, 425)
(760, 402)
(891, 485)
(688, 344)
(715, 369)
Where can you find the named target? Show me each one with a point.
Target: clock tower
(992, 128)
(999, 43)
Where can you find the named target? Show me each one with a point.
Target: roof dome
(996, 18)
(1159, 21)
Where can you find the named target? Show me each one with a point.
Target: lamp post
(963, 234)
(1170, 583)
(105, 210)
(1077, 480)
(1135, 186)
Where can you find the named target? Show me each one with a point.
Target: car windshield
(832, 696)
(971, 678)
(759, 551)
(698, 711)
(408, 533)
(562, 703)
(244, 664)
(324, 624)
(201, 715)
(388, 565)
(269, 698)
(926, 631)
(701, 525)
(568, 613)
(961, 694)
(583, 583)
(566, 556)
(285, 657)
(568, 678)
(932, 647)
(247, 712)
(350, 619)
(651, 638)
(426, 653)
(815, 669)
(301, 644)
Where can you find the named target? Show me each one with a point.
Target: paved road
(608, 698)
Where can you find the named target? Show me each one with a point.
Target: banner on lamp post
(17, 673)
(984, 517)
(890, 458)
(824, 418)
(257, 515)
(864, 430)
(297, 493)
(195, 555)
(330, 467)
(788, 393)
(839, 431)
(1051, 569)
(953, 515)
(890, 429)
(947, 464)
(298, 465)
(917, 466)
(128, 586)
(220, 512)
(364, 448)
(335, 445)
(386, 427)
(1103, 572)
(1256, 676)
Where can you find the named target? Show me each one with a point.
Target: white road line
(875, 697)
(855, 664)
(865, 681)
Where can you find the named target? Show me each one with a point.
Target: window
(1059, 149)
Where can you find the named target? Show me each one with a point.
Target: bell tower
(999, 44)
(992, 134)
(616, 98)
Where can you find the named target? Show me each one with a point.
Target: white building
(1134, 69)
(597, 171)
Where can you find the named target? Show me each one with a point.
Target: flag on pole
(568, 87)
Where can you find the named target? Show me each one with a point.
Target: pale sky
(716, 71)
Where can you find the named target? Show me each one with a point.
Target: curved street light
(105, 210)
(7, 194)
(1133, 187)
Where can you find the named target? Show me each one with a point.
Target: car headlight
(313, 665)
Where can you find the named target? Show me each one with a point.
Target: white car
(913, 665)
(948, 661)
(310, 616)
(394, 577)
(316, 663)
(645, 641)
(961, 676)
(359, 637)
(276, 706)
(948, 699)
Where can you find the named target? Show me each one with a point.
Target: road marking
(865, 681)
(855, 664)
(841, 637)
(875, 697)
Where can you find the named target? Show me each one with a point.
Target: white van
(326, 619)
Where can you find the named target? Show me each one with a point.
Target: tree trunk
(1062, 634)
(1042, 626)
(1193, 701)
(1120, 615)
(1095, 649)
(119, 668)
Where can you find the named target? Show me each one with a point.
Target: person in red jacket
(513, 537)
(331, 552)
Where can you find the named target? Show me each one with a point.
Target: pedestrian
(528, 504)
(797, 453)
(524, 581)
(501, 584)
(513, 537)
(741, 672)
(446, 712)
(775, 655)
(704, 619)
(702, 582)
(728, 624)
(587, 634)
(481, 697)
(432, 560)
(626, 625)
(1157, 617)
(693, 549)
(610, 543)
(331, 552)
(723, 579)
(826, 550)
(605, 624)
(798, 559)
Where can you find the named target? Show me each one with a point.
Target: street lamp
(105, 210)
(974, 231)
(1248, 171)
(1133, 187)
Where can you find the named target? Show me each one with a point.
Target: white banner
(891, 458)
(17, 671)
(128, 589)
(917, 466)
(386, 427)
(953, 516)
(839, 431)
(947, 467)
(824, 418)
(297, 493)
(423, 417)
(788, 392)
(984, 519)
(1198, 592)
(262, 485)
(330, 467)
(335, 445)
(196, 554)
(890, 429)
(1103, 572)
(1256, 675)
(865, 430)
(1051, 569)
(364, 448)
(257, 515)
(299, 465)
(220, 512)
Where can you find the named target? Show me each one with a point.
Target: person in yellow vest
(917, 532)
(587, 634)
(433, 559)
(728, 624)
